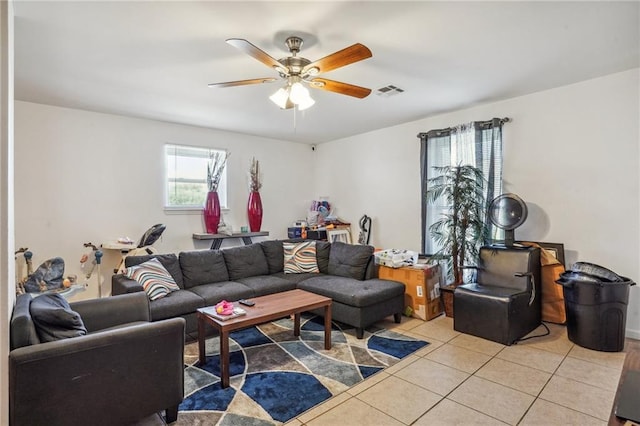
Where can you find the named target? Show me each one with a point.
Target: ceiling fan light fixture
(299, 94)
(307, 103)
(280, 98)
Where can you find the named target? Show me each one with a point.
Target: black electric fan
(508, 211)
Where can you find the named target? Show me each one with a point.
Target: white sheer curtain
(475, 143)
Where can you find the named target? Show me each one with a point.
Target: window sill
(188, 210)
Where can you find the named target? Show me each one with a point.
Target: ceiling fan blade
(339, 87)
(346, 56)
(256, 53)
(242, 82)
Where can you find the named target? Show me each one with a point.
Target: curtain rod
(479, 123)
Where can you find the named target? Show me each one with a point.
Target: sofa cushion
(353, 292)
(300, 257)
(202, 267)
(169, 261)
(226, 290)
(274, 253)
(155, 280)
(267, 284)
(294, 278)
(54, 319)
(245, 261)
(177, 303)
(349, 260)
(323, 250)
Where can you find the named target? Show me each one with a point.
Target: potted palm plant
(461, 230)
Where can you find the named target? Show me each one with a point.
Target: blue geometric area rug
(275, 376)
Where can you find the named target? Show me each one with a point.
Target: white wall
(7, 294)
(83, 176)
(571, 153)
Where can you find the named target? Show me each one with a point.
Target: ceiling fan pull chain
(295, 122)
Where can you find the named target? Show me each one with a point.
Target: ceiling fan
(296, 70)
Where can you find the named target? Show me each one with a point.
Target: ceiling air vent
(389, 90)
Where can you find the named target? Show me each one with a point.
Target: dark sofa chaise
(125, 369)
(205, 277)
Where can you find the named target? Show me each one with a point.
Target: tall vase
(212, 212)
(254, 211)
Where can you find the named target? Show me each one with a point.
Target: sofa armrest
(121, 284)
(111, 377)
(23, 331)
(98, 314)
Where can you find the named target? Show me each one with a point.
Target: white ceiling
(154, 59)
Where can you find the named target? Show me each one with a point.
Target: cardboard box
(422, 288)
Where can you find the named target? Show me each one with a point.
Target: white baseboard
(632, 334)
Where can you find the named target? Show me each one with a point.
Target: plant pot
(446, 292)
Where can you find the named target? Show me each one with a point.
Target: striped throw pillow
(156, 281)
(300, 257)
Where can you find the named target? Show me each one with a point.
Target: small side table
(122, 247)
(218, 238)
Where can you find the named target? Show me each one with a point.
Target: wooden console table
(217, 238)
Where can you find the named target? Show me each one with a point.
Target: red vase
(212, 212)
(254, 211)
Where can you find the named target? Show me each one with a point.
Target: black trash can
(596, 310)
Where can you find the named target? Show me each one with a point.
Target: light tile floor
(464, 380)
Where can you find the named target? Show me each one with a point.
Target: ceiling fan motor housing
(294, 65)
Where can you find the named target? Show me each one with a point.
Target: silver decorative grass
(217, 161)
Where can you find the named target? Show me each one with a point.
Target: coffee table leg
(224, 359)
(202, 356)
(296, 324)
(327, 327)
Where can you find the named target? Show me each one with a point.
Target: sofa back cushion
(169, 261)
(323, 250)
(274, 254)
(202, 267)
(245, 261)
(349, 260)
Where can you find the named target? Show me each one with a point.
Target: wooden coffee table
(266, 308)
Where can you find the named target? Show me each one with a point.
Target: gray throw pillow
(349, 260)
(54, 319)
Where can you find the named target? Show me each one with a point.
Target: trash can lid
(598, 271)
(569, 278)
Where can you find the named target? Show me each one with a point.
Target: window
(478, 144)
(186, 178)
